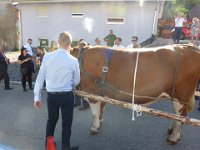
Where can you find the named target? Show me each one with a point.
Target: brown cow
(170, 71)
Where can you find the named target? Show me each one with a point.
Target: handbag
(24, 71)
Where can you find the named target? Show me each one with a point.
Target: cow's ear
(82, 45)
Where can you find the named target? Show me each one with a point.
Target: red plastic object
(50, 143)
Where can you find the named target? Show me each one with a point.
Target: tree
(184, 6)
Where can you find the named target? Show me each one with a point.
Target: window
(42, 11)
(115, 20)
(116, 14)
(77, 11)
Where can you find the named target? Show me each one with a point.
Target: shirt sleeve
(20, 58)
(2, 59)
(39, 82)
(76, 74)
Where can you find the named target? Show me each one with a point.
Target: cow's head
(76, 51)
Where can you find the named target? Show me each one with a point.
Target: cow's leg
(175, 131)
(101, 112)
(95, 107)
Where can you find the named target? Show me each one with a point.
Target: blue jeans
(65, 102)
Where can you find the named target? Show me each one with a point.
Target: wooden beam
(185, 120)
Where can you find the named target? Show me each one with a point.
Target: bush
(15, 49)
(74, 43)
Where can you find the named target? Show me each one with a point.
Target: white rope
(135, 108)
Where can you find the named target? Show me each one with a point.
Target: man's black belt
(60, 93)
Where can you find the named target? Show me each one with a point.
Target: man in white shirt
(30, 52)
(61, 72)
(179, 20)
(135, 43)
(28, 47)
(118, 44)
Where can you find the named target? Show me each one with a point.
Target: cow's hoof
(170, 142)
(92, 132)
(169, 131)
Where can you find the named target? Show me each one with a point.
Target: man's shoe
(30, 88)
(8, 88)
(24, 90)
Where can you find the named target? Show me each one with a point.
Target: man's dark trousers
(65, 101)
(177, 34)
(4, 75)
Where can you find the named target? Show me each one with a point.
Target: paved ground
(23, 127)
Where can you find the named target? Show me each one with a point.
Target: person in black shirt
(3, 68)
(25, 61)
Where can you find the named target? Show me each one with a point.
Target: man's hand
(38, 104)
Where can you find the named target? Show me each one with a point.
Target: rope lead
(135, 107)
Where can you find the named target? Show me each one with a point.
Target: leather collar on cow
(101, 83)
(108, 55)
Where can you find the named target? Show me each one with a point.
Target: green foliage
(175, 6)
(179, 6)
(74, 43)
(15, 49)
(184, 6)
(191, 3)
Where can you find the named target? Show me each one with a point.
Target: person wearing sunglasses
(134, 43)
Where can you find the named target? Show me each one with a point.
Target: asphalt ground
(22, 127)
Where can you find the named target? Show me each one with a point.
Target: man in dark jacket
(3, 68)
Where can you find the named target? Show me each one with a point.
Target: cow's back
(155, 74)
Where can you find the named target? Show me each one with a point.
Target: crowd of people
(116, 42)
(61, 77)
(179, 21)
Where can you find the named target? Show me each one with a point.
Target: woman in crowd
(40, 54)
(25, 61)
(53, 46)
(195, 28)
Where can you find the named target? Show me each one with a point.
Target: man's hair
(23, 49)
(41, 48)
(65, 39)
(120, 39)
(30, 40)
(97, 39)
(135, 37)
